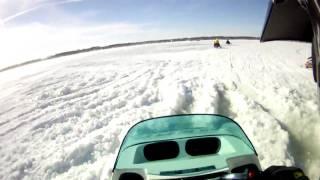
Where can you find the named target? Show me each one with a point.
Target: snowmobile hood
(183, 144)
(286, 20)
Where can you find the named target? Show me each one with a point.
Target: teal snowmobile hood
(183, 144)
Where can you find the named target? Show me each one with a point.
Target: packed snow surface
(65, 118)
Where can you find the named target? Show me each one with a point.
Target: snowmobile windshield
(178, 144)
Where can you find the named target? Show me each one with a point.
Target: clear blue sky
(43, 27)
(199, 16)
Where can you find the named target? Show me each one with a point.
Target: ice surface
(66, 118)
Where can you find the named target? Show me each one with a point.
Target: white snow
(65, 118)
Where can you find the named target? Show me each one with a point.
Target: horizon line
(118, 45)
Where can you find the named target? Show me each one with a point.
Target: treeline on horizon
(95, 48)
(67, 53)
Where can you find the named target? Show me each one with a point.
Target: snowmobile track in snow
(65, 119)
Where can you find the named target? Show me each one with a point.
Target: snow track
(66, 118)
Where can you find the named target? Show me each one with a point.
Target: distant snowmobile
(216, 43)
(194, 146)
(228, 42)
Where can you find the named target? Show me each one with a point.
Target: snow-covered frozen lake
(65, 118)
